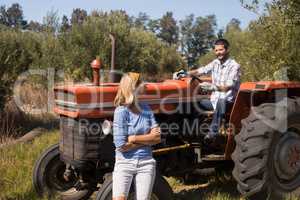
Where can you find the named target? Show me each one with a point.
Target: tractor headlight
(107, 127)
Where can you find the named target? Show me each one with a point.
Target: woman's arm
(120, 131)
(120, 127)
(130, 146)
(152, 138)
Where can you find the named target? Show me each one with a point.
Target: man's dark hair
(223, 42)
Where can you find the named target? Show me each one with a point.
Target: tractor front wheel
(49, 179)
(267, 153)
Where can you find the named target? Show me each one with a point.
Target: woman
(134, 130)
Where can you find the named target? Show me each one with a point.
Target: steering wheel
(195, 78)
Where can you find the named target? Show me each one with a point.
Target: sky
(224, 10)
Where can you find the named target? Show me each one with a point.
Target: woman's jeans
(141, 171)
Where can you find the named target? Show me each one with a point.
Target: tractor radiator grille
(78, 142)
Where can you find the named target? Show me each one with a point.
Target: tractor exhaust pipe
(113, 51)
(114, 76)
(96, 64)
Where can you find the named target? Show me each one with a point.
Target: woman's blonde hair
(125, 95)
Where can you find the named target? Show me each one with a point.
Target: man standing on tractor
(225, 74)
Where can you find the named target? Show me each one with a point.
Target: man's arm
(202, 70)
(223, 88)
(232, 78)
(194, 72)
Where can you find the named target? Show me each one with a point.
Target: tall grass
(209, 188)
(17, 161)
(11, 121)
(16, 120)
(16, 164)
(204, 188)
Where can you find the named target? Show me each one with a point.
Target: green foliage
(17, 52)
(85, 42)
(233, 24)
(141, 20)
(51, 21)
(3, 16)
(34, 26)
(207, 58)
(12, 16)
(137, 49)
(198, 35)
(203, 35)
(153, 25)
(65, 26)
(290, 9)
(74, 47)
(143, 52)
(168, 29)
(170, 60)
(142, 44)
(78, 16)
(269, 46)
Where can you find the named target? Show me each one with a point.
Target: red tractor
(260, 142)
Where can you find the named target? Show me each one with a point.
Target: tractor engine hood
(92, 101)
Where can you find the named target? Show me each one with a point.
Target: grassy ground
(205, 188)
(16, 164)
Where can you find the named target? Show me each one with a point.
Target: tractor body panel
(268, 85)
(255, 93)
(97, 101)
(252, 94)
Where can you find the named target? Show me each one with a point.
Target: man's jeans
(218, 116)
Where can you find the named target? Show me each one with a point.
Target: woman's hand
(131, 139)
(153, 137)
(156, 134)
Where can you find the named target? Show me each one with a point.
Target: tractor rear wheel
(48, 177)
(267, 153)
(161, 190)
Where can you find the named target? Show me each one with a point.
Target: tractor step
(207, 113)
(213, 157)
